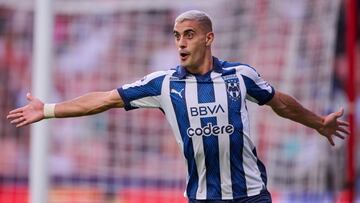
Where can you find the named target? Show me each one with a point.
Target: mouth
(184, 55)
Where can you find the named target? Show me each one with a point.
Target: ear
(209, 38)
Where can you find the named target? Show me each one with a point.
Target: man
(204, 100)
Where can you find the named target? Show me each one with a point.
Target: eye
(177, 36)
(189, 35)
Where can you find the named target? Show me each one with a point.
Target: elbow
(283, 112)
(287, 112)
(105, 101)
(283, 105)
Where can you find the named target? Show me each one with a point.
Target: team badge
(232, 87)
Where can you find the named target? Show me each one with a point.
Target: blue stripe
(263, 197)
(205, 89)
(261, 167)
(261, 95)
(212, 163)
(206, 94)
(179, 105)
(236, 143)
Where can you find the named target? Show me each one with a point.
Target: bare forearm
(329, 125)
(288, 107)
(88, 104)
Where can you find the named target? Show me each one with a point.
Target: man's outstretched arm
(88, 104)
(329, 125)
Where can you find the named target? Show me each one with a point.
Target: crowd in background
(121, 56)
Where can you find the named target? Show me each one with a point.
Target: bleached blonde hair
(199, 16)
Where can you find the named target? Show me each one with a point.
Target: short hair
(198, 16)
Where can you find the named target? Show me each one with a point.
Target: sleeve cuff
(127, 104)
(270, 96)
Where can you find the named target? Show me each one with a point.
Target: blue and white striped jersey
(209, 118)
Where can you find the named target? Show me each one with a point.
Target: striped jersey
(209, 118)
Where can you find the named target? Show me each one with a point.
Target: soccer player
(204, 100)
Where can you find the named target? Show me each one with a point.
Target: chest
(204, 100)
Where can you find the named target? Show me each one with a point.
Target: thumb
(340, 112)
(29, 97)
(331, 140)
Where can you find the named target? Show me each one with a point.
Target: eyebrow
(185, 31)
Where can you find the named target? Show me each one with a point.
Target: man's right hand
(31, 113)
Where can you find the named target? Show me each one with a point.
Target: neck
(204, 68)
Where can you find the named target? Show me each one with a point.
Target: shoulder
(240, 68)
(154, 79)
(157, 74)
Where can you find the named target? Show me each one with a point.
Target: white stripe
(254, 182)
(191, 96)
(167, 106)
(147, 102)
(253, 179)
(224, 140)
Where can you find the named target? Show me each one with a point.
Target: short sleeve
(257, 89)
(144, 93)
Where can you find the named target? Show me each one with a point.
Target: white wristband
(49, 110)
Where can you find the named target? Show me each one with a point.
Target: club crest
(233, 88)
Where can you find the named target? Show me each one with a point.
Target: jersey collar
(181, 72)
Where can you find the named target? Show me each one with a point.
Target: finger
(29, 97)
(344, 123)
(22, 124)
(14, 115)
(331, 140)
(18, 120)
(18, 110)
(344, 130)
(337, 134)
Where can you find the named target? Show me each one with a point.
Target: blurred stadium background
(132, 157)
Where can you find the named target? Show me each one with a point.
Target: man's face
(190, 40)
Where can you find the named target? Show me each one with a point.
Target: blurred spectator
(103, 51)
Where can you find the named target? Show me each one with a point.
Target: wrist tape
(49, 110)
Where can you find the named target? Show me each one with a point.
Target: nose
(182, 43)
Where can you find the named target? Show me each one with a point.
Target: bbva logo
(206, 110)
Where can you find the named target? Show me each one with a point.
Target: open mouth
(184, 55)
